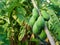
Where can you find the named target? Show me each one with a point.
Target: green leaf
(1, 29)
(20, 10)
(56, 2)
(1, 5)
(10, 6)
(21, 34)
(54, 24)
(21, 1)
(19, 18)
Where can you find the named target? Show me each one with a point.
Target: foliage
(15, 16)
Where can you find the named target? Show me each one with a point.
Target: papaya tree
(29, 22)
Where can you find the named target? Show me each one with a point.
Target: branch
(49, 36)
(46, 29)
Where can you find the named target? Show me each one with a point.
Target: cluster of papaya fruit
(37, 22)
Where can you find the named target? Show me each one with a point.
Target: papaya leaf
(21, 1)
(56, 2)
(54, 24)
(20, 10)
(21, 34)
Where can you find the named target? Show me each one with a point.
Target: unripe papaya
(34, 17)
(43, 35)
(45, 15)
(31, 21)
(39, 24)
(36, 30)
(35, 13)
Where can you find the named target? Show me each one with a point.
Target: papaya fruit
(31, 21)
(38, 25)
(40, 22)
(43, 35)
(45, 15)
(36, 30)
(35, 13)
(34, 17)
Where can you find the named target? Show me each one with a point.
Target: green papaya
(40, 22)
(31, 21)
(43, 35)
(34, 17)
(45, 15)
(38, 25)
(35, 13)
(36, 30)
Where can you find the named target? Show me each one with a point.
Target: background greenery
(14, 20)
